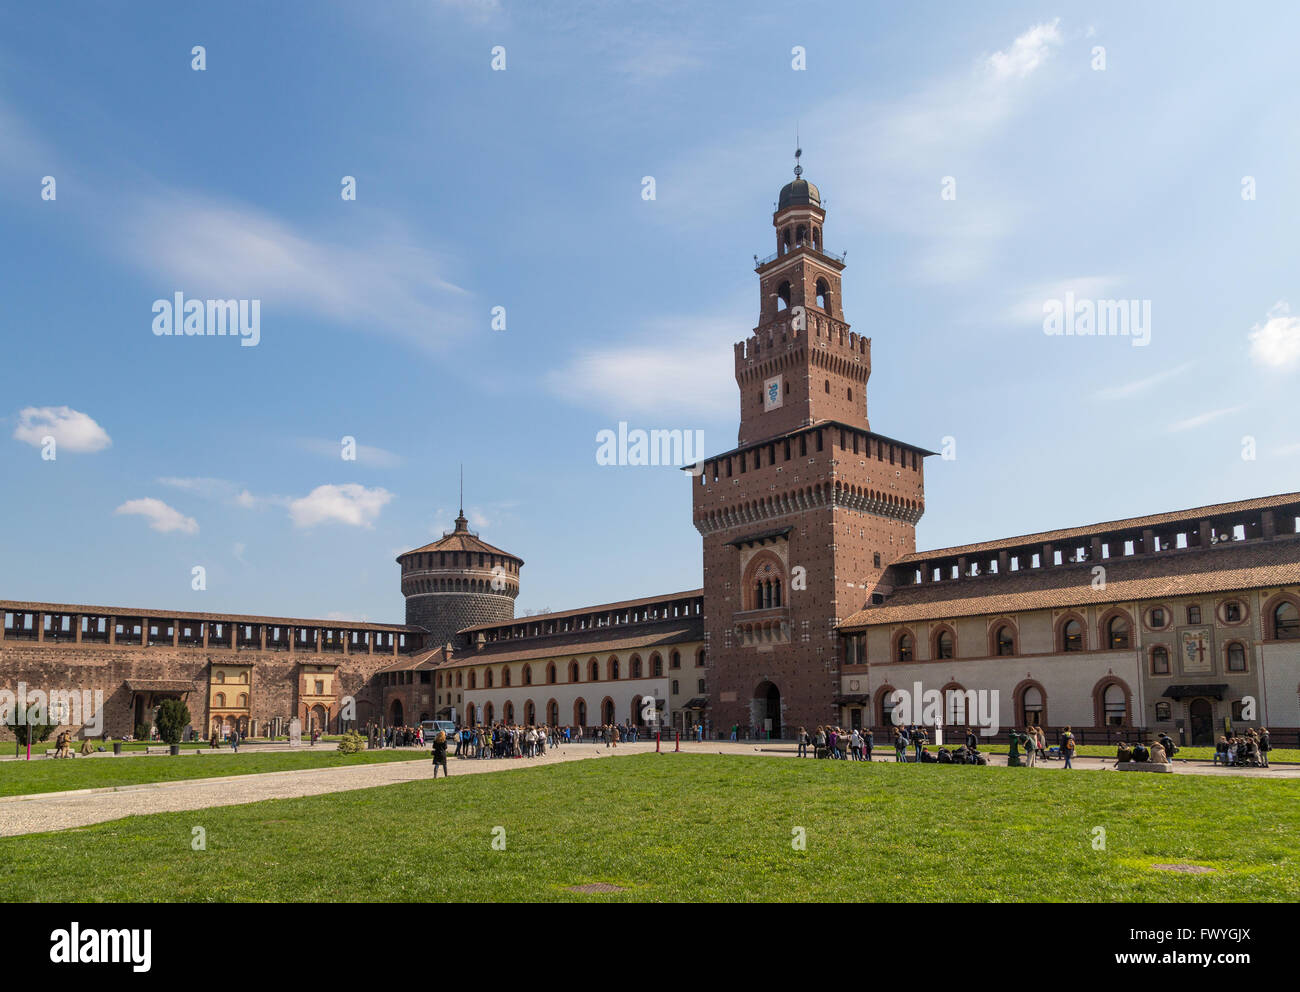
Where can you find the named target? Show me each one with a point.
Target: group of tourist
(1248, 750)
(381, 737)
(503, 741)
(1033, 741)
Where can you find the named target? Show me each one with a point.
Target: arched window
(1117, 633)
(580, 712)
(943, 643)
(488, 713)
(634, 667)
(1114, 708)
(656, 666)
(613, 668)
(1031, 706)
(905, 647)
(1072, 635)
(575, 673)
(550, 673)
(887, 704)
(505, 675)
(675, 660)
(1159, 660)
(1004, 642)
(528, 677)
(783, 296)
(1236, 657)
(473, 680)
(824, 295)
(221, 678)
(1286, 621)
(509, 712)
(593, 670)
(220, 700)
(243, 700)
(487, 678)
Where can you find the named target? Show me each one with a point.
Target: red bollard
(678, 745)
(657, 742)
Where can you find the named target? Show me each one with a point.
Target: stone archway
(395, 714)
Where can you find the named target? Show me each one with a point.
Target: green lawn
(697, 827)
(20, 778)
(1279, 756)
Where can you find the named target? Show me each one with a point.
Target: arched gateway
(765, 710)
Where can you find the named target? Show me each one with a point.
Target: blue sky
(522, 189)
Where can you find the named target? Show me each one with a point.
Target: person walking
(900, 745)
(234, 741)
(1265, 745)
(1067, 747)
(803, 743)
(440, 754)
(868, 741)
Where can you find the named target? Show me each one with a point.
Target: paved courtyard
(61, 811)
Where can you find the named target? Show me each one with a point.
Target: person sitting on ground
(945, 756)
(1140, 752)
(85, 746)
(927, 757)
(1123, 754)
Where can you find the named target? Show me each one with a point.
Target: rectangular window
(1193, 614)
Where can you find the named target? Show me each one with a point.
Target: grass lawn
(1278, 756)
(700, 827)
(21, 778)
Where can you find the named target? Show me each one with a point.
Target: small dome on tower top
(800, 193)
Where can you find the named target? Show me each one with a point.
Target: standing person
(1040, 738)
(855, 745)
(803, 743)
(1031, 746)
(918, 742)
(868, 741)
(900, 745)
(616, 736)
(1067, 747)
(972, 742)
(1265, 745)
(440, 754)
(234, 740)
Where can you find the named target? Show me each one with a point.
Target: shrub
(351, 743)
(172, 719)
(142, 731)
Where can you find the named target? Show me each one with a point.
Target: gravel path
(38, 813)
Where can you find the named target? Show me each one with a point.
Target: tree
(172, 719)
(36, 732)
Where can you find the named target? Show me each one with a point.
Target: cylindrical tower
(457, 582)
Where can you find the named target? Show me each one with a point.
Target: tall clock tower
(802, 518)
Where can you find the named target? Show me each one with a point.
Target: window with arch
(943, 643)
(783, 296)
(1236, 657)
(887, 704)
(593, 670)
(905, 647)
(1159, 660)
(656, 666)
(221, 678)
(488, 714)
(824, 295)
(505, 675)
(1286, 621)
(699, 658)
(473, 680)
(1031, 705)
(1163, 712)
(1114, 707)
(675, 660)
(487, 678)
(613, 668)
(1072, 635)
(634, 667)
(1004, 641)
(220, 700)
(1118, 634)
(575, 673)
(528, 677)
(243, 700)
(550, 674)
(509, 712)
(764, 582)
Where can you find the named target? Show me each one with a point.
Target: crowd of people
(836, 743)
(1248, 750)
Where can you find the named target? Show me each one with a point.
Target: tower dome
(458, 581)
(799, 193)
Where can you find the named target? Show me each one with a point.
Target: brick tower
(458, 581)
(802, 518)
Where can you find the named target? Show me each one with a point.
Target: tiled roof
(600, 608)
(461, 539)
(1131, 523)
(632, 637)
(419, 662)
(1157, 576)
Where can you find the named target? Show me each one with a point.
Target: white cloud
(1141, 385)
(673, 369)
(71, 429)
(238, 551)
(221, 489)
(1030, 309)
(1201, 419)
(1276, 342)
(161, 517)
(1027, 52)
(350, 504)
(366, 454)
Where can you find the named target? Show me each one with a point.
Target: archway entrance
(396, 714)
(765, 711)
(1202, 714)
(607, 711)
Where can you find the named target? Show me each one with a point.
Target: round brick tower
(458, 581)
